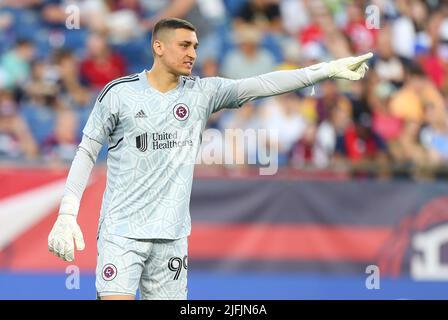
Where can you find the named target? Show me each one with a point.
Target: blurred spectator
(435, 61)
(314, 30)
(294, 15)
(361, 144)
(101, 64)
(239, 133)
(337, 135)
(302, 154)
(41, 88)
(265, 14)
(337, 44)
(292, 56)
(322, 31)
(281, 114)
(440, 35)
(248, 58)
(312, 53)
(50, 120)
(434, 135)
(403, 30)
(15, 138)
(387, 125)
(327, 117)
(210, 68)
(330, 96)
(420, 16)
(207, 16)
(386, 64)
(132, 5)
(363, 39)
(73, 92)
(6, 20)
(434, 68)
(15, 64)
(20, 4)
(329, 133)
(408, 102)
(123, 23)
(408, 151)
(63, 143)
(357, 93)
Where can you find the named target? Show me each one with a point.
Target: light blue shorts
(158, 267)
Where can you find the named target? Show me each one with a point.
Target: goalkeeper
(153, 123)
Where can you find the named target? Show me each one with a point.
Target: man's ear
(157, 46)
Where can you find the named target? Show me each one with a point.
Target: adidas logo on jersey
(141, 114)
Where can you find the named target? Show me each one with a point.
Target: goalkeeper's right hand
(60, 239)
(350, 68)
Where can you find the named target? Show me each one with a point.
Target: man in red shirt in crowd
(101, 65)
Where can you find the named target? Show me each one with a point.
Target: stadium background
(362, 178)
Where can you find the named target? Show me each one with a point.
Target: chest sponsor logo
(164, 140)
(141, 142)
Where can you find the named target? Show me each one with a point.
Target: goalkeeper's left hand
(351, 68)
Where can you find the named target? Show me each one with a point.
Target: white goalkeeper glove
(65, 229)
(350, 68)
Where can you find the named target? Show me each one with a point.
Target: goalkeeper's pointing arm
(65, 229)
(278, 82)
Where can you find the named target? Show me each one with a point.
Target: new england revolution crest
(181, 111)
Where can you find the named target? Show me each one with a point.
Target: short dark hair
(22, 42)
(170, 23)
(62, 54)
(413, 69)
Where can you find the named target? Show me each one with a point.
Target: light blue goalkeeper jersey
(153, 141)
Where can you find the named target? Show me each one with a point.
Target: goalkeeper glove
(350, 68)
(65, 229)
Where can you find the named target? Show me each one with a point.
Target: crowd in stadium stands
(50, 74)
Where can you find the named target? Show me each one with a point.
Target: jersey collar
(145, 84)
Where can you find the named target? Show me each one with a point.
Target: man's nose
(192, 53)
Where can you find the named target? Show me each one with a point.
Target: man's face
(177, 50)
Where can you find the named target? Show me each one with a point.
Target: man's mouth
(189, 64)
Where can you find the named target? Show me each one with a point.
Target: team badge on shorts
(109, 272)
(181, 111)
